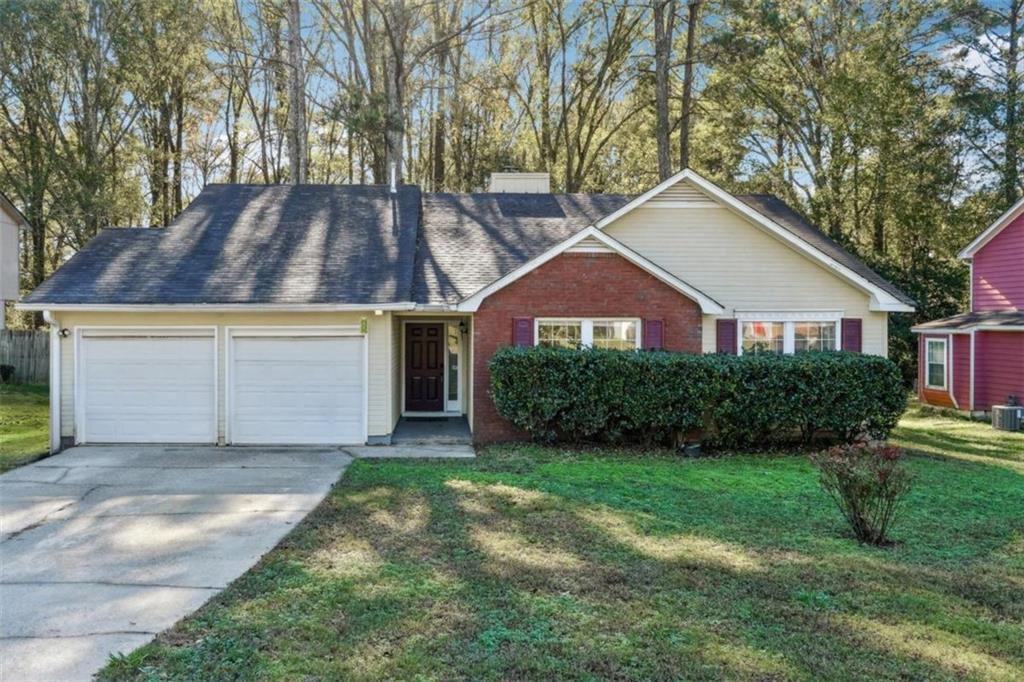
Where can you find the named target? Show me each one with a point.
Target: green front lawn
(24, 423)
(936, 432)
(535, 563)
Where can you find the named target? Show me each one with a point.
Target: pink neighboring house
(975, 360)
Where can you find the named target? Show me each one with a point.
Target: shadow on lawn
(537, 571)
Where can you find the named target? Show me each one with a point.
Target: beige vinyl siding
(380, 420)
(742, 267)
(67, 385)
(9, 284)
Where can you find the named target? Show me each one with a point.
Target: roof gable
(992, 230)
(589, 237)
(468, 241)
(10, 209)
(778, 219)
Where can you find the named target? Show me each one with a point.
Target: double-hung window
(788, 333)
(935, 370)
(617, 334)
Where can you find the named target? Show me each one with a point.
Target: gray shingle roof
(347, 244)
(779, 211)
(255, 244)
(469, 240)
(989, 318)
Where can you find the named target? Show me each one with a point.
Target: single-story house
(327, 314)
(974, 360)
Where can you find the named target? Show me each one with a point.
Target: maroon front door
(424, 367)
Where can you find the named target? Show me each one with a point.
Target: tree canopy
(895, 125)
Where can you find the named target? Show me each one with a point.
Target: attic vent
(681, 195)
(589, 245)
(522, 183)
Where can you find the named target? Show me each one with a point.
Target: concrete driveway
(103, 547)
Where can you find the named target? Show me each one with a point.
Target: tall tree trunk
(231, 127)
(686, 122)
(664, 30)
(179, 133)
(298, 159)
(1011, 159)
(438, 144)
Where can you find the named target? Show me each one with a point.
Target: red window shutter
(654, 334)
(852, 332)
(522, 331)
(726, 335)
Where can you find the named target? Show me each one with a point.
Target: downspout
(55, 381)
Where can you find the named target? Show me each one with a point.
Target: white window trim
(587, 327)
(453, 405)
(789, 320)
(928, 363)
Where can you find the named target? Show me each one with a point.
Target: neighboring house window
(599, 333)
(935, 372)
(788, 332)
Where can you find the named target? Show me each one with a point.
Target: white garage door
(140, 388)
(297, 390)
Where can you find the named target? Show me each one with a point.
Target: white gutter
(213, 307)
(55, 378)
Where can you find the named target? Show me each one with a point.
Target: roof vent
(521, 183)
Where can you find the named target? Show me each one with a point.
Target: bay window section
(615, 334)
(788, 333)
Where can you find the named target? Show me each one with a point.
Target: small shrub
(867, 484)
(6, 373)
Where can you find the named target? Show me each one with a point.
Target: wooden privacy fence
(28, 352)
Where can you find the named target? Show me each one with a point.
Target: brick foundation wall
(573, 285)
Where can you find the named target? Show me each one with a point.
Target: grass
(536, 563)
(937, 432)
(24, 427)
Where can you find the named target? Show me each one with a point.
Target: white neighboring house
(11, 224)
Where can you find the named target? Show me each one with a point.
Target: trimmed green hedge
(751, 401)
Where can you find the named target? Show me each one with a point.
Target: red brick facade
(573, 285)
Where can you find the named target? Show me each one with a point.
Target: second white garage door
(297, 390)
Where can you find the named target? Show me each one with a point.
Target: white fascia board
(891, 305)
(708, 305)
(212, 307)
(881, 300)
(991, 231)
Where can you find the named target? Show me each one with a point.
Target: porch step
(432, 431)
